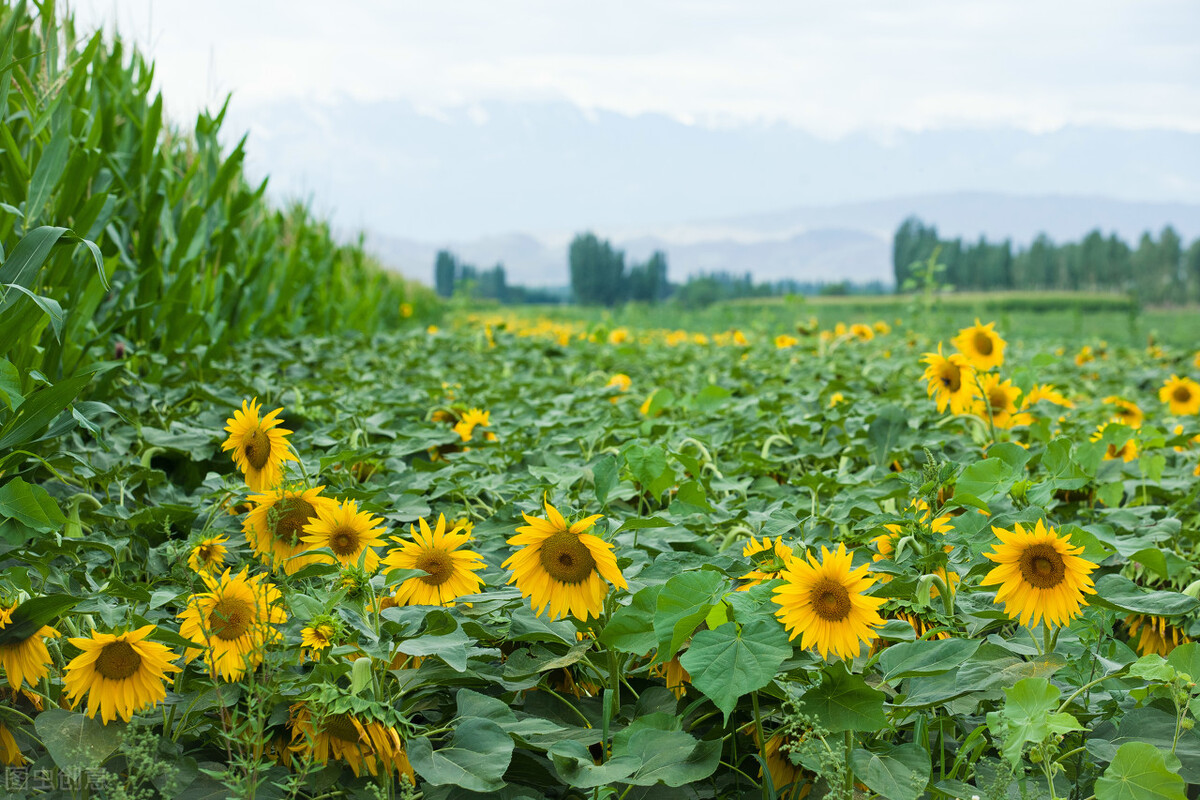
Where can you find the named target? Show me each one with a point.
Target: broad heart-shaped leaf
(646, 462)
(1139, 772)
(844, 702)
(29, 617)
(451, 648)
(31, 505)
(682, 604)
(664, 753)
(987, 478)
(885, 432)
(1186, 659)
(925, 657)
(727, 663)
(575, 766)
(476, 758)
(605, 475)
(1120, 593)
(76, 742)
(631, 628)
(896, 772)
(1028, 718)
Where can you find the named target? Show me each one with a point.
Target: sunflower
(347, 532)
(208, 555)
(451, 571)
(674, 675)
(259, 446)
(561, 566)
(783, 341)
(1002, 401)
(121, 673)
(982, 346)
(1126, 413)
(277, 522)
(472, 418)
(1127, 452)
(824, 601)
(768, 559)
(319, 635)
(952, 379)
(1157, 635)
(790, 780)
(923, 623)
(231, 623)
(885, 544)
(620, 381)
(1040, 575)
(1182, 395)
(862, 332)
(10, 753)
(1084, 356)
(25, 660)
(1045, 392)
(359, 740)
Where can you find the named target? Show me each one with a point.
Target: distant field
(1077, 317)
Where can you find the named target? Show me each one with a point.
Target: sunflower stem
(1047, 645)
(762, 740)
(849, 771)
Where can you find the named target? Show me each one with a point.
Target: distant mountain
(831, 243)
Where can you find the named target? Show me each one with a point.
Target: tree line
(1158, 270)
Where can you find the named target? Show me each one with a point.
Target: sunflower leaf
(727, 663)
(29, 617)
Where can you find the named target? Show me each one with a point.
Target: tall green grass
(120, 233)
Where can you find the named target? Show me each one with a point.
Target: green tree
(445, 273)
(597, 271)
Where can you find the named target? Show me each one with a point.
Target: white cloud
(830, 68)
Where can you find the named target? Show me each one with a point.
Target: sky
(653, 72)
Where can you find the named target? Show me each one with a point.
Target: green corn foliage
(116, 227)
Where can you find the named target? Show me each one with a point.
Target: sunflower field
(275, 525)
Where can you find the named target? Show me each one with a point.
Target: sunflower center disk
(230, 618)
(1042, 566)
(437, 564)
(1182, 394)
(118, 661)
(983, 344)
(951, 377)
(257, 447)
(566, 558)
(293, 516)
(340, 726)
(344, 542)
(998, 400)
(830, 600)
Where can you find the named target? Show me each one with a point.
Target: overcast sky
(880, 68)
(829, 68)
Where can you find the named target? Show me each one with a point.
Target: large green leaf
(476, 758)
(732, 660)
(33, 614)
(631, 627)
(844, 702)
(664, 753)
(897, 772)
(1118, 592)
(575, 766)
(683, 603)
(1139, 772)
(1028, 716)
(31, 505)
(925, 657)
(76, 742)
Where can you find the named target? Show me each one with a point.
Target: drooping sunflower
(1155, 635)
(1040, 575)
(791, 781)
(208, 555)
(825, 603)
(277, 522)
(951, 381)
(363, 743)
(1182, 395)
(232, 623)
(259, 445)
(885, 544)
(769, 560)
(1045, 392)
(25, 660)
(1127, 451)
(1125, 412)
(10, 753)
(347, 532)
(674, 676)
(451, 570)
(1001, 397)
(982, 346)
(562, 566)
(120, 674)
